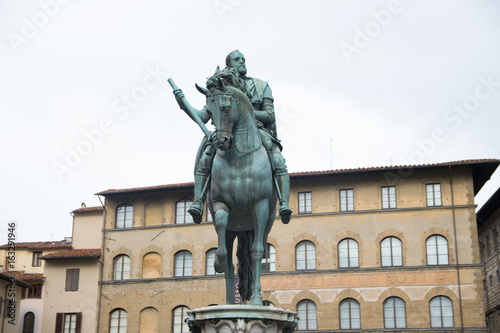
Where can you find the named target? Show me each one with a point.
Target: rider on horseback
(260, 95)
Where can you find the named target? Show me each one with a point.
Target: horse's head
(222, 106)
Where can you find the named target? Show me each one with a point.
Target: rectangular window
(488, 248)
(305, 202)
(37, 259)
(433, 192)
(72, 278)
(69, 322)
(34, 292)
(388, 197)
(346, 200)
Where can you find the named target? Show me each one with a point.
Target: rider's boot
(284, 187)
(196, 209)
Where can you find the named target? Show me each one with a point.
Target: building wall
(412, 222)
(34, 305)
(57, 300)
(8, 292)
(24, 260)
(87, 231)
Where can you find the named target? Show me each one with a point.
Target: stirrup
(285, 212)
(196, 211)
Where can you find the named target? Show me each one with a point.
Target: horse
(242, 197)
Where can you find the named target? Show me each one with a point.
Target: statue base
(241, 319)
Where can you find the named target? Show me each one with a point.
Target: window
(29, 322)
(69, 322)
(441, 309)
(433, 194)
(437, 250)
(34, 292)
(495, 240)
(388, 197)
(348, 253)
(181, 212)
(305, 200)
(183, 263)
(305, 254)
(350, 317)
(124, 216)
(180, 314)
(209, 215)
(118, 321)
(72, 278)
(37, 259)
(210, 262)
(346, 200)
(391, 252)
(121, 267)
(488, 246)
(269, 260)
(306, 311)
(394, 313)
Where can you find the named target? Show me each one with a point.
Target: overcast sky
(86, 107)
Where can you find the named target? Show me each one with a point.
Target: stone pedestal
(241, 319)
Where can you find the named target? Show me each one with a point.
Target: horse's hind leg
(229, 269)
(260, 215)
(221, 219)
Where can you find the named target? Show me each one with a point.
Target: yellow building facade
(373, 249)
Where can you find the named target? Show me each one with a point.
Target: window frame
(395, 318)
(186, 217)
(72, 279)
(430, 196)
(306, 251)
(37, 259)
(121, 257)
(303, 198)
(120, 317)
(30, 323)
(350, 301)
(183, 309)
(441, 318)
(184, 267)
(437, 253)
(391, 247)
(308, 312)
(349, 258)
(349, 206)
(125, 219)
(268, 263)
(389, 195)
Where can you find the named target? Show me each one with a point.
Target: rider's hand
(179, 95)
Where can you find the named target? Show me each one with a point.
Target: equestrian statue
(239, 170)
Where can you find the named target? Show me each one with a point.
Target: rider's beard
(242, 70)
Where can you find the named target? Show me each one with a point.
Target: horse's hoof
(257, 300)
(219, 265)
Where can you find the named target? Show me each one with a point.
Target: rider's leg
(200, 184)
(283, 180)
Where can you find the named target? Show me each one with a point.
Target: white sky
(66, 67)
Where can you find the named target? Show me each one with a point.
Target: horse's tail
(245, 241)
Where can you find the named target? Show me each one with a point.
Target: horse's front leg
(220, 223)
(229, 269)
(260, 215)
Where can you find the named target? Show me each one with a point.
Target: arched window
(350, 316)
(118, 321)
(269, 260)
(151, 266)
(391, 252)
(441, 309)
(437, 250)
(181, 211)
(179, 325)
(183, 263)
(348, 253)
(305, 255)
(210, 263)
(121, 267)
(306, 310)
(124, 216)
(148, 322)
(394, 313)
(29, 322)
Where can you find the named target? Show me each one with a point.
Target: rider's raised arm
(204, 115)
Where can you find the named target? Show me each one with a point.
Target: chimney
(83, 205)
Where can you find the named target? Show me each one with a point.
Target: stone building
(488, 222)
(389, 248)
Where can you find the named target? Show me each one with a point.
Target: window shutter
(75, 279)
(39, 291)
(68, 280)
(23, 293)
(59, 322)
(78, 328)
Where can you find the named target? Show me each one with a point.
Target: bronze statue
(236, 166)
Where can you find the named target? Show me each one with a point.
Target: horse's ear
(204, 91)
(217, 70)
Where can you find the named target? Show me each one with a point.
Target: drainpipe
(102, 266)
(456, 251)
